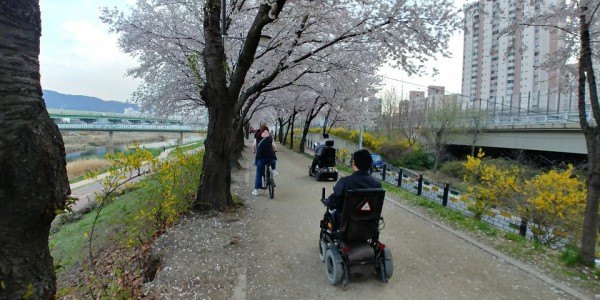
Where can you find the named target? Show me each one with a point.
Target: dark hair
(362, 159)
(325, 135)
(263, 128)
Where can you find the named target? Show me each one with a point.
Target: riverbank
(89, 140)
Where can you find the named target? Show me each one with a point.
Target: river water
(101, 151)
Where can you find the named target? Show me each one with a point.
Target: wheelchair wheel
(388, 263)
(322, 250)
(385, 266)
(334, 268)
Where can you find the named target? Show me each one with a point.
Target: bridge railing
(130, 127)
(531, 118)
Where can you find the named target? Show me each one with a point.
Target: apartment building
(501, 72)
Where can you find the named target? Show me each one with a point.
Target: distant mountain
(57, 100)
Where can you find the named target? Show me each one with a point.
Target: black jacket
(358, 180)
(264, 148)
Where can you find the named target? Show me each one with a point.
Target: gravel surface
(267, 249)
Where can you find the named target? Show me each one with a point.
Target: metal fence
(438, 192)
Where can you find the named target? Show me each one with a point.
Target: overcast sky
(79, 56)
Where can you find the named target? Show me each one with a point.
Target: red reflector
(381, 246)
(345, 249)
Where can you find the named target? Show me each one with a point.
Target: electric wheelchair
(325, 164)
(353, 238)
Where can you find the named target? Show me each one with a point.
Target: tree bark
(215, 179)
(586, 74)
(240, 133)
(33, 182)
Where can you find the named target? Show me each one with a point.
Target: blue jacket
(358, 180)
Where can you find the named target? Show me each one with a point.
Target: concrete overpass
(565, 138)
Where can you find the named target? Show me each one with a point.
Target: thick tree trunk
(33, 180)
(215, 179)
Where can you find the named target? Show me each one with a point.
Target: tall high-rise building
(501, 71)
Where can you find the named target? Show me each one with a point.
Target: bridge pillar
(180, 139)
(111, 144)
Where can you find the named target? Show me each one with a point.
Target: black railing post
(420, 184)
(400, 177)
(383, 171)
(445, 196)
(523, 227)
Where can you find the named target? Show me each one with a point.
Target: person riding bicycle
(360, 179)
(265, 154)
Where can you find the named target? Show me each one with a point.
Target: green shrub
(393, 151)
(454, 169)
(416, 159)
(571, 256)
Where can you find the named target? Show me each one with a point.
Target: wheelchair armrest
(324, 201)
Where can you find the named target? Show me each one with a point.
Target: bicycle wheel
(270, 185)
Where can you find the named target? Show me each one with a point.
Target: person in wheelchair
(323, 144)
(360, 179)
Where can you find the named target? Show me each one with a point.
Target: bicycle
(268, 180)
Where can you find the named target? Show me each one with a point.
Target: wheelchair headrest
(329, 143)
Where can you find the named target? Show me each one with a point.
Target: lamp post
(360, 137)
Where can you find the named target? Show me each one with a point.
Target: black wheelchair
(353, 239)
(325, 164)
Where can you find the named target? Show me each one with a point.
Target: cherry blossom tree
(223, 74)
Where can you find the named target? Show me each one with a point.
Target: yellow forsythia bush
(488, 185)
(554, 205)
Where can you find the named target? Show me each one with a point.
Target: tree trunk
(247, 131)
(280, 130)
(586, 73)
(287, 130)
(237, 143)
(292, 130)
(439, 147)
(215, 179)
(33, 184)
(326, 121)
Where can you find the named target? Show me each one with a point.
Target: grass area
(189, 147)
(69, 242)
(77, 169)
